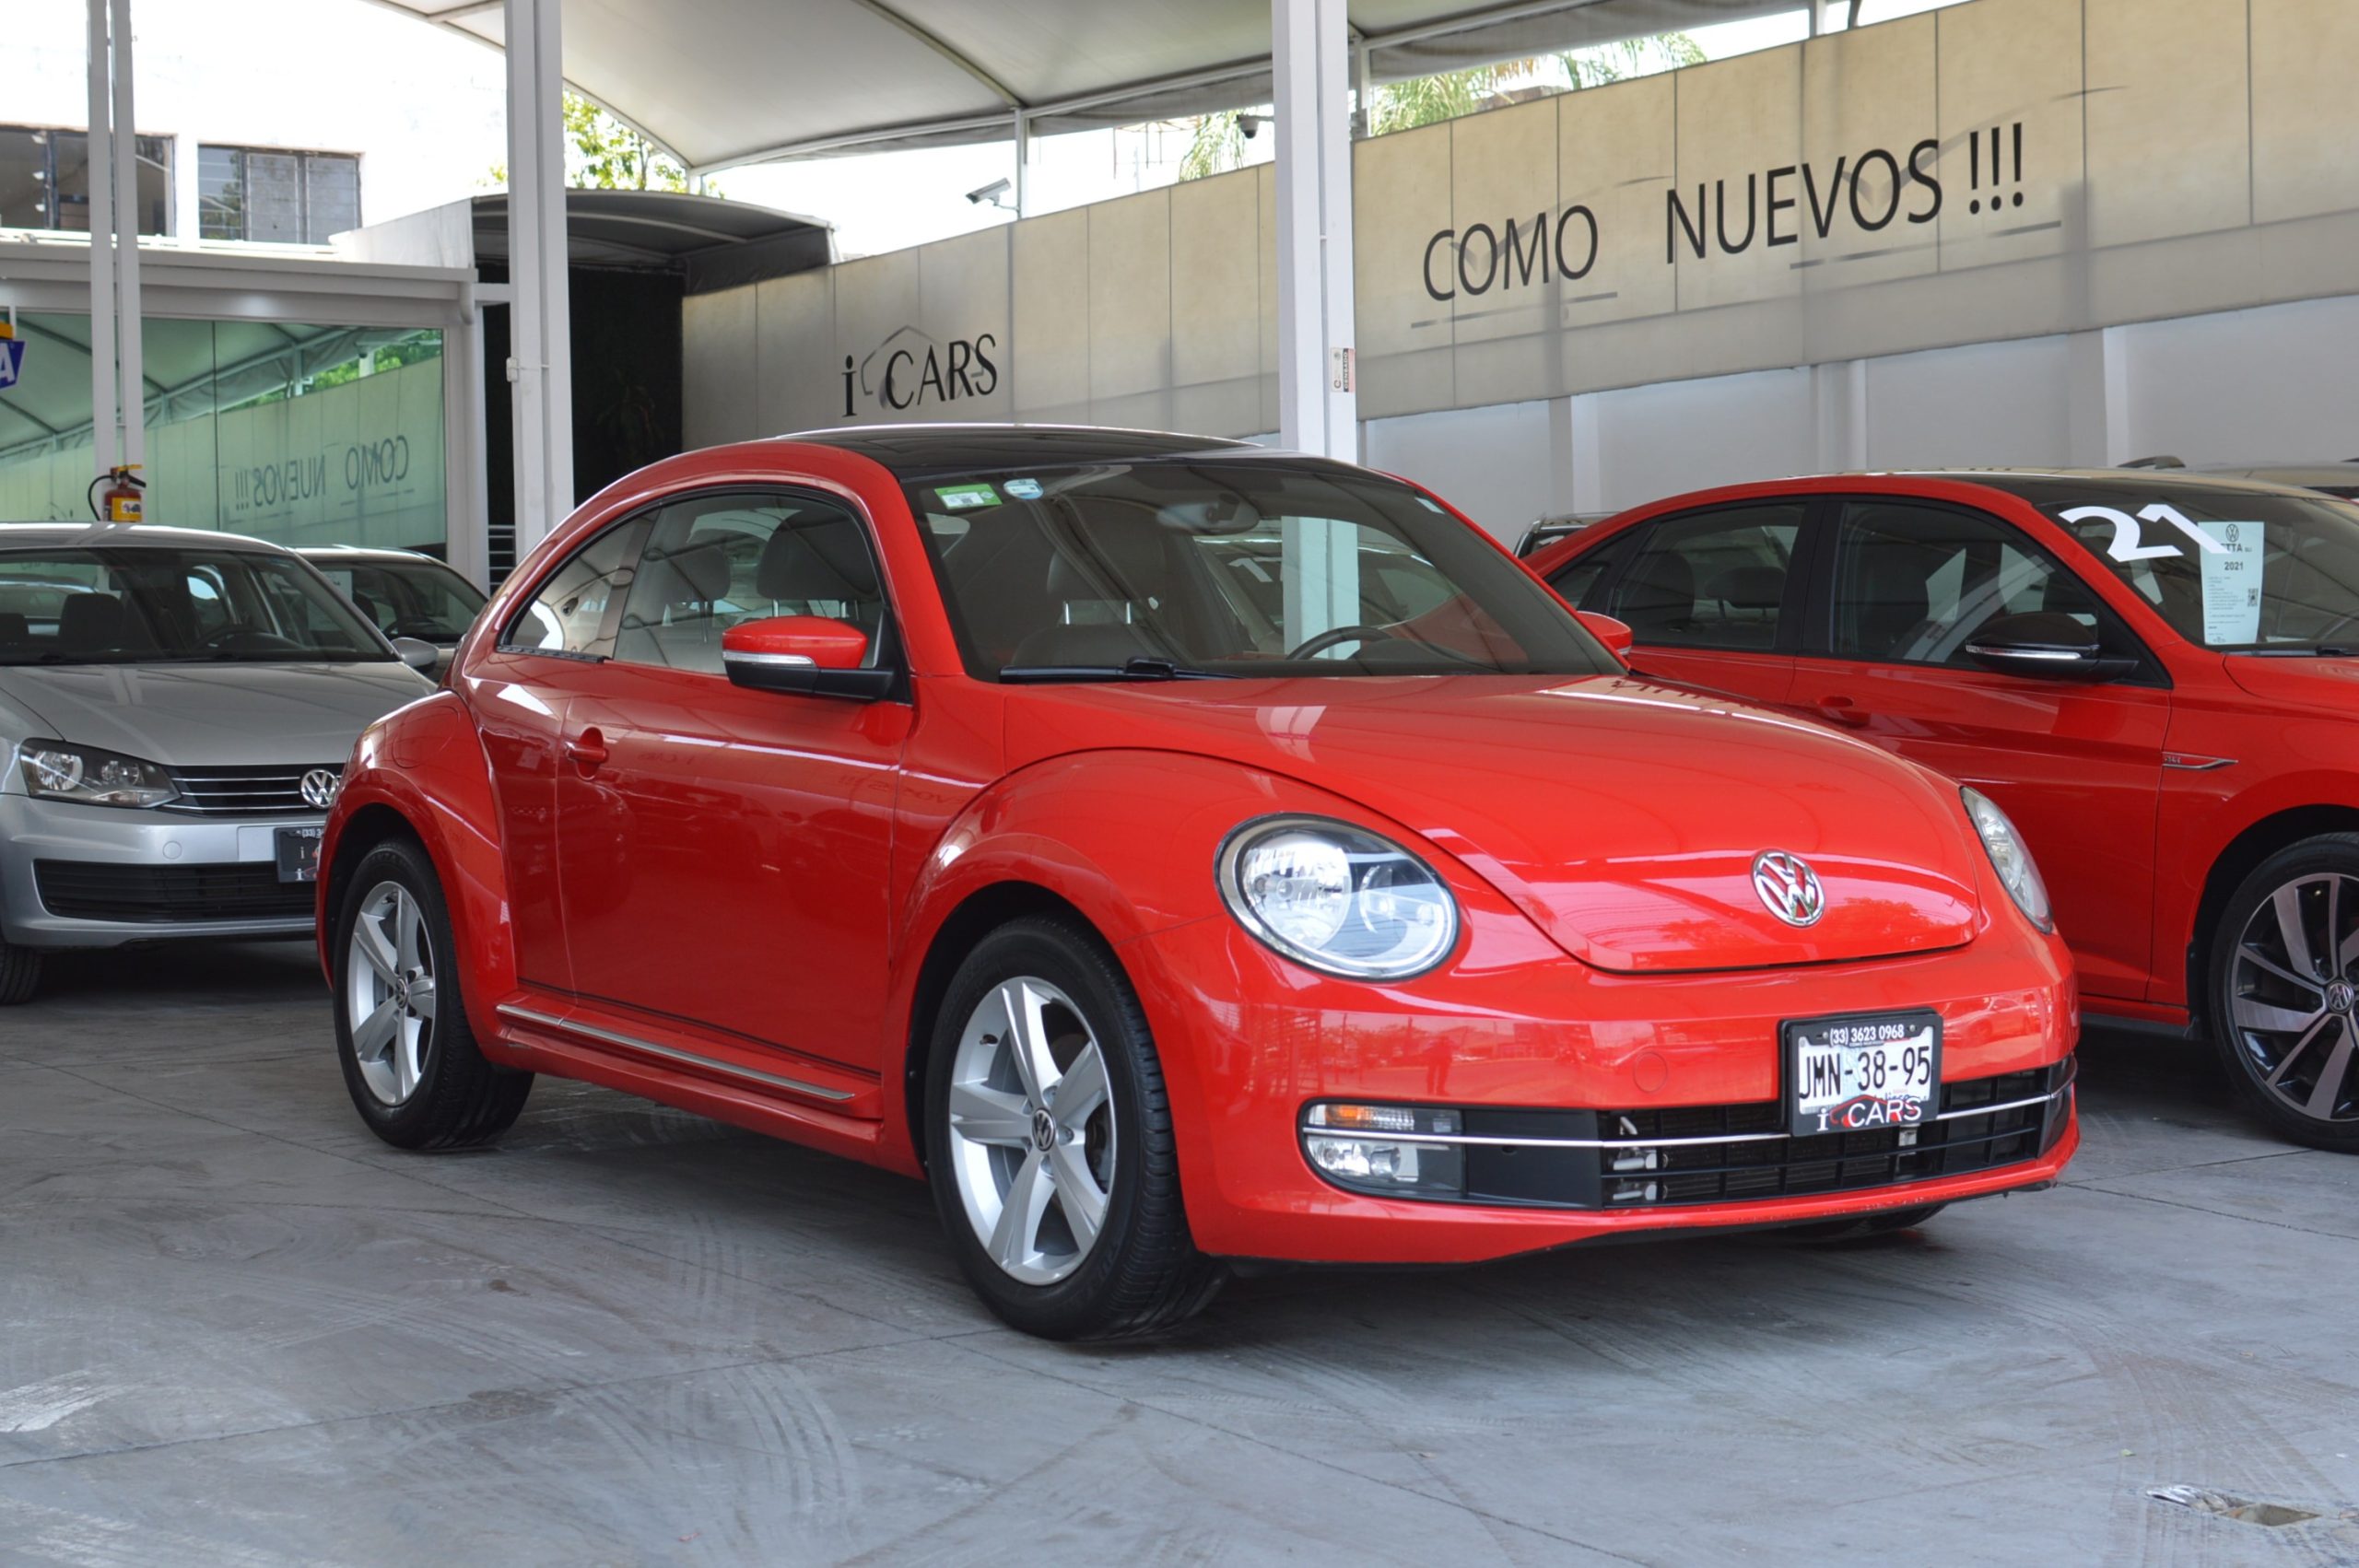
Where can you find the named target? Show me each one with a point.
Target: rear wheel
(19, 973)
(410, 1059)
(2285, 989)
(1049, 1145)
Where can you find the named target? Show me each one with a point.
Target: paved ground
(235, 1329)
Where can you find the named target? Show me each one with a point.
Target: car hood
(213, 715)
(2328, 686)
(1622, 817)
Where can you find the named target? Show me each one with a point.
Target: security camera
(1248, 124)
(989, 195)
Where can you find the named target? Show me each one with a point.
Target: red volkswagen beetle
(2154, 673)
(1175, 852)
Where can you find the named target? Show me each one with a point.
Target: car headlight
(56, 771)
(1336, 898)
(2009, 856)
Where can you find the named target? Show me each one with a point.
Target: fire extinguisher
(120, 502)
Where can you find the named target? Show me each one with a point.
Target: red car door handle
(1841, 710)
(588, 751)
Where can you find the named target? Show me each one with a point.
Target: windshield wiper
(2308, 651)
(1142, 667)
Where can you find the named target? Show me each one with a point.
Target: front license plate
(1864, 1071)
(298, 853)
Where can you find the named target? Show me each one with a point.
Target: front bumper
(118, 875)
(1534, 1050)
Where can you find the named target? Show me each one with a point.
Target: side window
(1711, 579)
(712, 561)
(1577, 582)
(570, 614)
(1913, 583)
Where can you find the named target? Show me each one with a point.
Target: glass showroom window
(290, 198)
(45, 181)
(302, 433)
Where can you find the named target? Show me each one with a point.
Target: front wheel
(1049, 1142)
(2284, 989)
(410, 1059)
(19, 973)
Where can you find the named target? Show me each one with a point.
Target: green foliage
(1218, 146)
(604, 154)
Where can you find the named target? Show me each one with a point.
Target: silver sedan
(176, 707)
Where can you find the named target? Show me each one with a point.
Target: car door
(554, 646)
(2077, 764)
(1711, 597)
(723, 849)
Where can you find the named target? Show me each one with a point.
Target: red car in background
(1174, 851)
(2157, 675)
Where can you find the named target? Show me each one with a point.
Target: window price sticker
(2231, 583)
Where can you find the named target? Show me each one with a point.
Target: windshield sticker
(1023, 489)
(960, 497)
(2232, 584)
(2126, 546)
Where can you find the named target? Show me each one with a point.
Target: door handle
(1841, 710)
(588, 751)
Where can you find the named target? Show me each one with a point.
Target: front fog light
(1348, 1145)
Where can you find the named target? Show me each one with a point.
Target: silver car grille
(260, 790)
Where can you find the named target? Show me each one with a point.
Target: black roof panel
(917, 453)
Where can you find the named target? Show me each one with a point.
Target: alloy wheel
(2293, 995)
(1032, 1130)
(389, 992)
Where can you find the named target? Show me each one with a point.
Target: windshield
(2230, 568)
(146, 605)
(421, 599)
(1231, 569)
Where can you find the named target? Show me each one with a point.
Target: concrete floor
(236, 1329)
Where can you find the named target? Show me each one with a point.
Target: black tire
(460, 1097)
(19, 973)
(2251, 966)
(1867, 1225)
(1143, 1274)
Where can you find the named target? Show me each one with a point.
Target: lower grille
(96, 890)
(1954, 1144)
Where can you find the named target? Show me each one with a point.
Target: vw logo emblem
(2342, 997)
(319, 788)
(1788, 888)
(1044, 1131)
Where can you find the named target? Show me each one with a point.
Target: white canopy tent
(728, 82)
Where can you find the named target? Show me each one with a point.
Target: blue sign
(12, 360)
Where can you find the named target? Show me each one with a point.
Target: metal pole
(102, 305)
(1022, 161)
(130, 345)
(539, 353)
(1310, 59)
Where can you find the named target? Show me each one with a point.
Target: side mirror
(1616, 635)
(419, 655)
(806, 654)
(2046, 645)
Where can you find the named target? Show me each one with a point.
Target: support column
(1311, 57)
(188, 215)
(541, 362)
(1023, 163)
(130, 350)
(103, 302)
(1839, 415)
(2096, 403)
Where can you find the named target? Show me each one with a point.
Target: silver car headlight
(1337, 899)
(55, 770)
(2009, 856)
